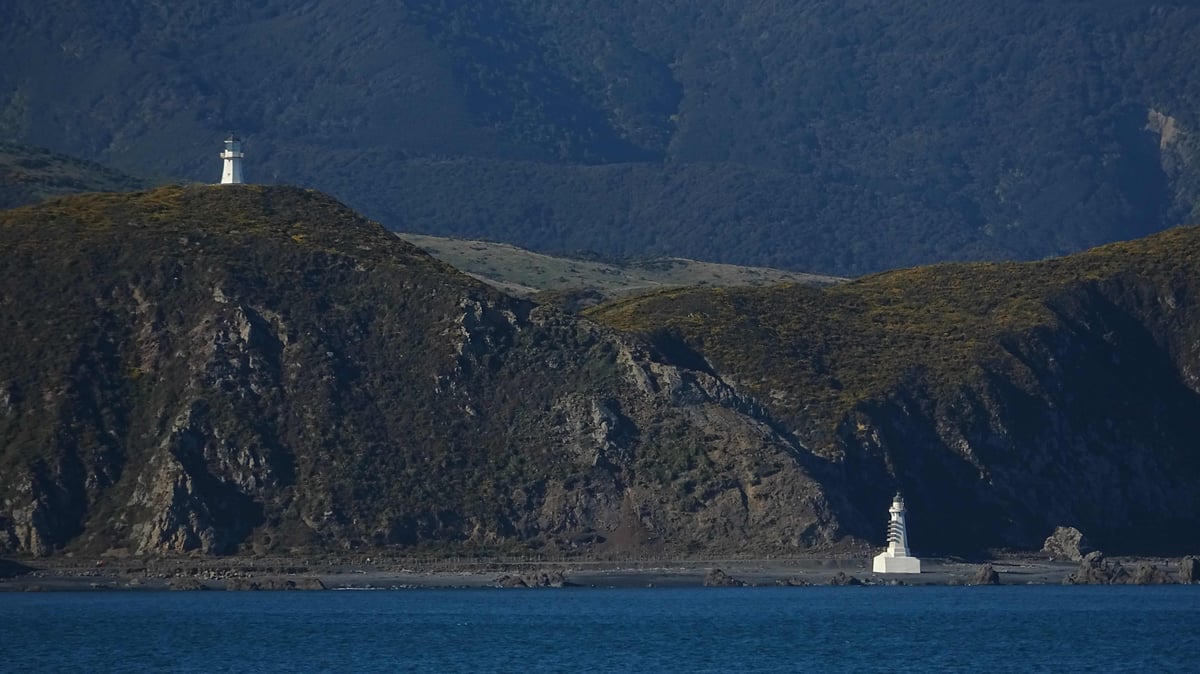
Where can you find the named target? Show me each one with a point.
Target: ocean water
(1000, 629)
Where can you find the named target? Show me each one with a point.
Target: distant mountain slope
(817, 135)
(239, 368)
(1003, 399)
(30, 174)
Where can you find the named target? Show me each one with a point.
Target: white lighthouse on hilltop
(897, 558)
(232, 174)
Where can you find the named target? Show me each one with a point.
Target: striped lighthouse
(897, 558)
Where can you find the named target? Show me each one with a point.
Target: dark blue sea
(869, 629)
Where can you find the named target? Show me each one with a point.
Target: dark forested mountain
(257, 369)
(818, 135)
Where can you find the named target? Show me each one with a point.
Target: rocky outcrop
(718, 578)
(1189, 570)
(1096, 569)
(1146, 573)
(985, 575)
(1067, 543)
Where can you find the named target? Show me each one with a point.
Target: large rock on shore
(718, 578)
(1096, 569)
(986, 575)
(1149, 574)
(841, 579)
(1067, 543)
(1189, 570)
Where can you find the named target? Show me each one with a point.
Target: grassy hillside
(1013, 394)
(815, 135)
(524, 273)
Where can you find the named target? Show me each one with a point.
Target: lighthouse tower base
(887, 563)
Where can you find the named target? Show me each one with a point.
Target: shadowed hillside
(1004, 399)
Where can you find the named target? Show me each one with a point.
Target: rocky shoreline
(370, 574)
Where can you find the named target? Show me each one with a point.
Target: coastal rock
(1149, 574)
(273, 584)
(510, 581)
(794, 582)
(1189, 570)
(1067, 543)
(718, 578)
(551, 579)
(1096, 569)
(842, 579)
(986, 575)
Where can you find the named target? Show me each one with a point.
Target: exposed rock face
(718, 578)
(1033, 395)
(1189, 570)
(1066, 543)
(259, 369)
(1096, 569)
(1149, 574)
(986, 575)
(232, 369)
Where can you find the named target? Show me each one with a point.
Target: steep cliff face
(1003, 399)
(247, 369)
(236, 368)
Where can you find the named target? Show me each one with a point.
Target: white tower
(233, 161)
(897, 558)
